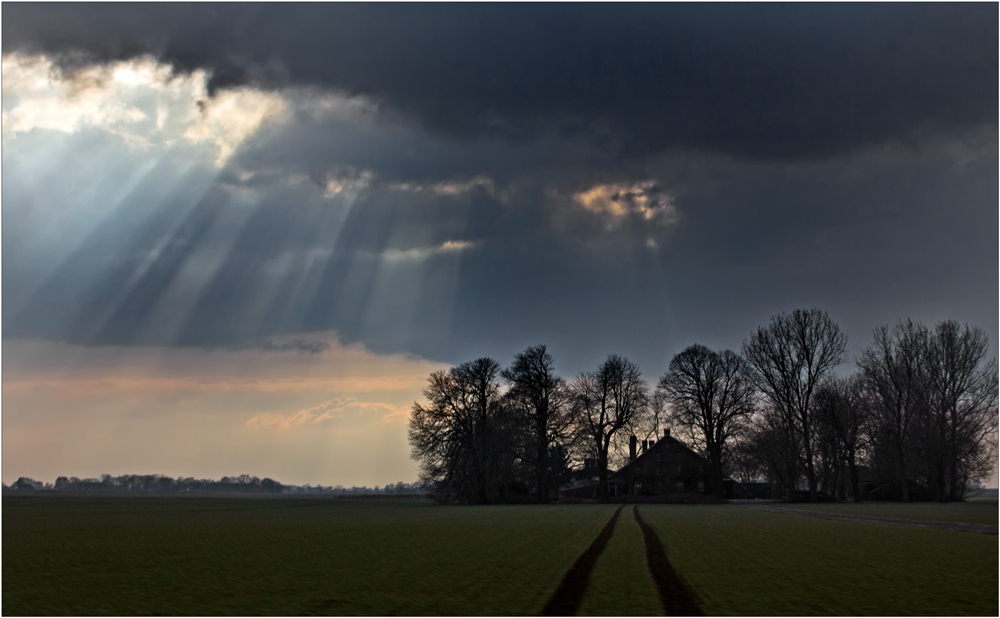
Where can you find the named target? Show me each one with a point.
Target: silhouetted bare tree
(607, 401)
(712, 395)
(844, 412)
(465, 438)
(789, 357)
(773, 443)
(963, 407)
(542, 399)
(650, 425)
(895, 368)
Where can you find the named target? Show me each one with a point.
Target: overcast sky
(237, 238)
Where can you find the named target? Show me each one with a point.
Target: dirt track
(676, 597)
(567, 597)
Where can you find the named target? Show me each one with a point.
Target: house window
(657, 470)
(638, 487)
(657, 458)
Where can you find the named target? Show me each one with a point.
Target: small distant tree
(711, 395)
(26, 483)
(608, 400)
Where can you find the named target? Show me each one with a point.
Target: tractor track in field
(565, 601)
(677, 599)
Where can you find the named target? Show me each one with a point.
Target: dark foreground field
(319, 556)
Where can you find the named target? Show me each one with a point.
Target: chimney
(666, 433)
(631, 449)
(643, 446)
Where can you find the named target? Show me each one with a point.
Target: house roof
(662, 443)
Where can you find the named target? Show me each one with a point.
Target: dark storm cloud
(873, 238)
(842, 157)
(760, 81)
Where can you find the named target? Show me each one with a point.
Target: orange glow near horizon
(335, 417)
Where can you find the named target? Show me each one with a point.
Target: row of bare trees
(934, 400)
(920, 409)
(918, 414)
(487, 435)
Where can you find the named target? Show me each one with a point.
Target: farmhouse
(662, 467)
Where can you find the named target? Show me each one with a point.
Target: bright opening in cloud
(420, 253)
(130, 76)
(348, 181)
(449, 187)
(457, 245)
(617, 200)
(144, 102)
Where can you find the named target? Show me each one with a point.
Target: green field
(982, 512)
(285, 557)
(621, 584)
(742, 561)
(372, 557)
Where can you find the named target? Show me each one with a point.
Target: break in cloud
(450, 181)
(453, 187)
(142, 101)
(618, 200)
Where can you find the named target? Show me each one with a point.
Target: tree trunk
(940, 480)
(855, 486)
(602, 476)
(542, 481)
(810, 471)
(715, 470)
(953, 458)
(904, 490)
(542, 470)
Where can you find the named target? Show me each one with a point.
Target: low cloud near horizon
(334, 417)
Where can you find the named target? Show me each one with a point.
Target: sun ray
(179, 298)
(152, 253)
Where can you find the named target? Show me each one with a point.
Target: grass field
(983, 512)
(742, 561)
(621, 584)
(285, 557)
(86, 556)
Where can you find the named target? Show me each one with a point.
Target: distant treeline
(227, 484)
